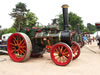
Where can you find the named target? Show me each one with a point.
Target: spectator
(89, 40)
(98, 39)
(85, 39)
(93, 39)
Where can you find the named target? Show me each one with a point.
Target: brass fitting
(65, 6)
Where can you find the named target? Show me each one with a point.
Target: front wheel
(19, 47)
(61, 54)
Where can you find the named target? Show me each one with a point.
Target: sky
(46, 10)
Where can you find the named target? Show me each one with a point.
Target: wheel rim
(61, 54)
(75, 49)
(80, 43)
(17, 47)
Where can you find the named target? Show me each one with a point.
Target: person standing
(98, 39)
(93, 38)
(85, 39)
(89, 40)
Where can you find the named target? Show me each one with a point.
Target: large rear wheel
(19, 47)
(61, 54)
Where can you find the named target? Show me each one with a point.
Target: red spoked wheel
(61, 54)
(19, 47)
(75, 49)
(80, 43)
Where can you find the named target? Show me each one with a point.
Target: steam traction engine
(97, 24)
(77, 36)
(32, 41)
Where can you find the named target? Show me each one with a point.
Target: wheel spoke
(63, 58)
(22, 51)
(55, 55)
(13, 47)
(61, 49)
(15, 40)
(19, 39)
(67, 56)
(23, 47)
(59, 59)
(21, 42)
(65, 53)
(75, 48)
(12, 51)
(64, 50)
(12, 44)
(57, 51)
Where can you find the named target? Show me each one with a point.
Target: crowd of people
(87, 39)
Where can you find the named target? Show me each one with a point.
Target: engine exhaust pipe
(65, 16)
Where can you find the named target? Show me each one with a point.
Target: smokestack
(65, 16)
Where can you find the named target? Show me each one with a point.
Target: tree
(11, 30)
(86, 29)
(60, 21)
(91, 28)
(22, 16)
(18, 13)
(31, 19)
(74, 19)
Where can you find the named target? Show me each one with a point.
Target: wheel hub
(60, 54)
(17, 47)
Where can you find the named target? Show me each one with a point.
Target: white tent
(95, 34)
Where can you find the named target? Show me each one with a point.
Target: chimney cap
(65, 6)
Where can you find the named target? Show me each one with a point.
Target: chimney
(65, 16)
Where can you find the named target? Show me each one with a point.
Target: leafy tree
(11, 30)
(31, 19)
(74, 20)
(0, 26)
(18, 13)
(22, 16)
(85, 29)
(60, 21)
(91, 28)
